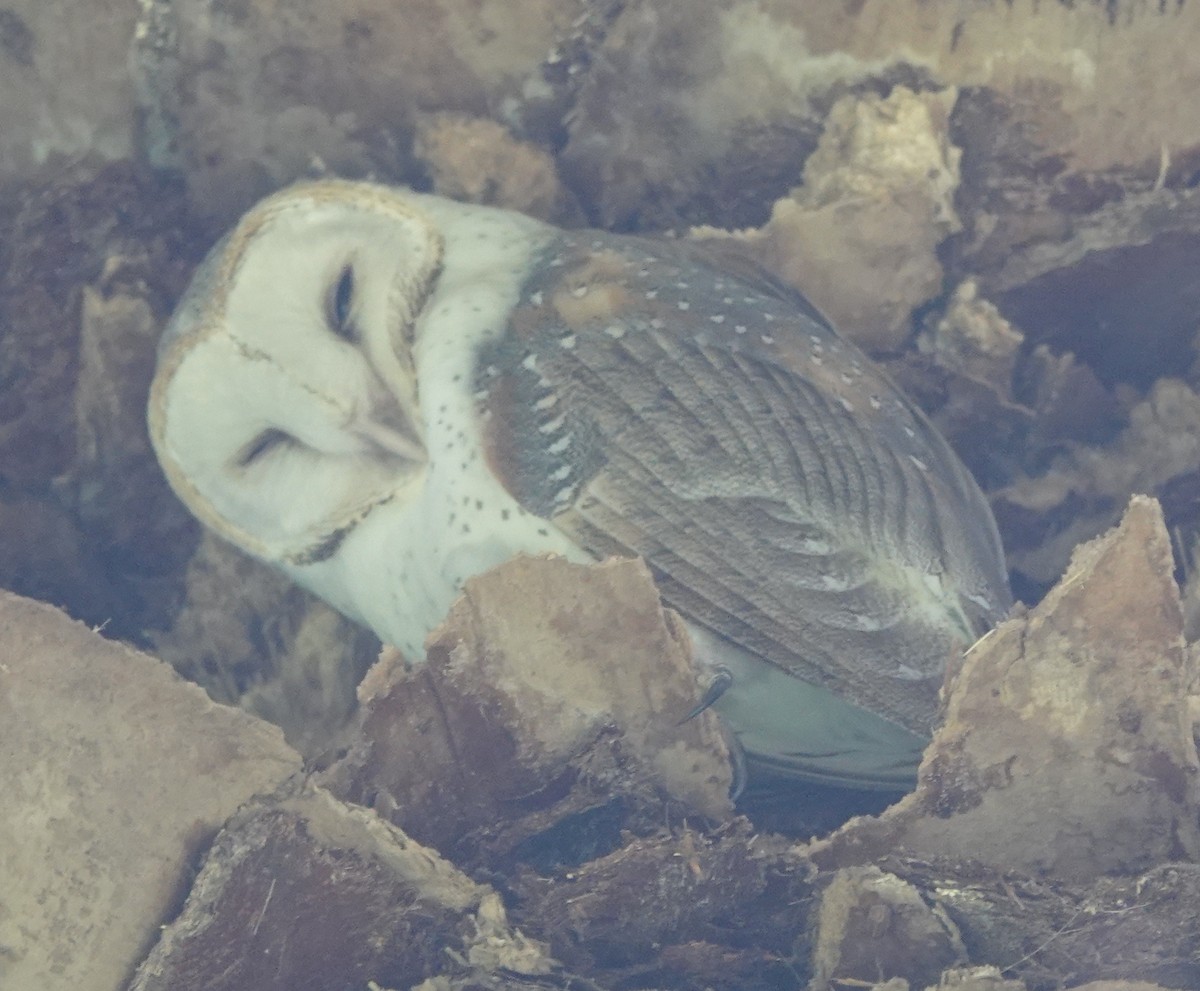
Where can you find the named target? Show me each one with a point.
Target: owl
(382, 393)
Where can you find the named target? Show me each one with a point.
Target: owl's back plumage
(594, 394)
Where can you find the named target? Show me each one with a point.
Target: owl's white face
(285, 404)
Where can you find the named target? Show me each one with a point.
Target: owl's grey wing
(784, 492)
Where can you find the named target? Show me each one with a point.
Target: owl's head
(284, 406)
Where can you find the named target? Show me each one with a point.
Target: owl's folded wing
(784, 492)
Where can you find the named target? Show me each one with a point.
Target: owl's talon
(722, 681)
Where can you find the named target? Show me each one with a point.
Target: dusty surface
(116, 775)
(999, 198)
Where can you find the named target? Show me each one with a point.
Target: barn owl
(383, 393)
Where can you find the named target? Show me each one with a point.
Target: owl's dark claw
(720, 684)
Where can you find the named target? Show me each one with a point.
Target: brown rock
(476, 160)
(309, 893)
(246, 101)
(977, 979)
(66, 92)
(524, 718)
(859, 237)
(1067, 746)
(872, 925)
(115, 775)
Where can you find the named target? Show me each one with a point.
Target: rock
(1081, 492)
(72, 426)
(1067, 745)
(305, 892)
(116, 775)
(253, 639)
(978, 979)
(65, 81)
(559, 721)
(681, 116)
(478, 161)
(859, 236)
(871, 925)
(727, 909)
(251, 97)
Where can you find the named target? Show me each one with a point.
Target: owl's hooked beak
(385, 426)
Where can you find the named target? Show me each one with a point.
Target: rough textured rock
(859, 235)
(1049, 933)
(305, 892)
(1067, 746)
(727, 910)
(75, 376)
(977, 979)
(675, 100)
(252, 638)
(1082, 490)
(526, 733)
(65, 81)
(115, 774)
(477, 160)
(872, 925)
(250, 96)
